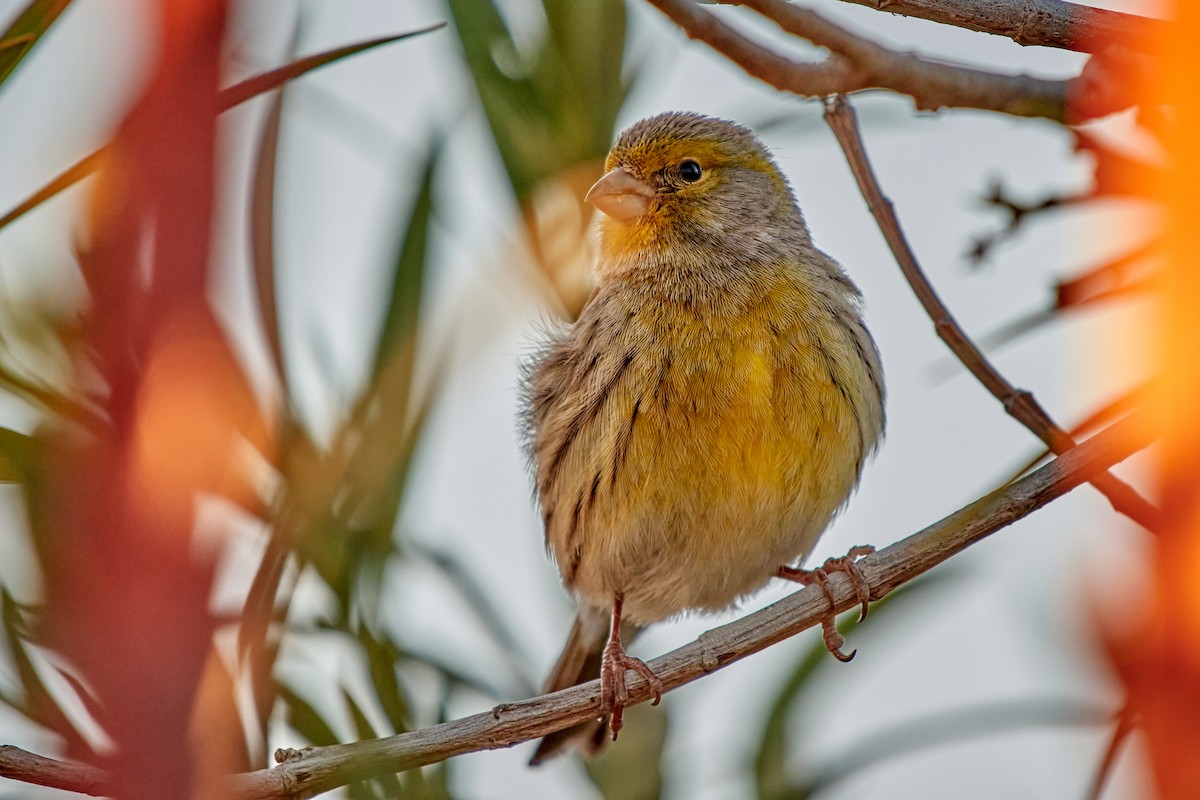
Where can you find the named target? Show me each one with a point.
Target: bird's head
(681, 182)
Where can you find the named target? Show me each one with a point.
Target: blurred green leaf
(365, 790)
(39, 705)
(631, 767)
(378, 439)
(18, 452)
(410, 784)
(90, 702)
(387, 785)
(260, 666)
(448, 671)
(262, 231)
(551, 107)
(273, 79)
(302, 716)
(770, 764)
(229, 97)
(26, 31)
(491, 622)
(307, 496)
(953, 726)
(408, 273)
(383, 657)
(437, 780)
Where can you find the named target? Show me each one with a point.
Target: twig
(1019, 403)
(1108, 276)
(1044, 23)
(311, 771)
(1134, 398)
(1112, 280)
(1018, 214)
(855, 64)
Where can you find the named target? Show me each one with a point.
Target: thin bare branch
(855, 64)
(309, 772)
(1105, 414)
(1019, 403)
(1018, 214)
(1042, 23)
(1111, 275)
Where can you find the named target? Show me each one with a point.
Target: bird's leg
(820, 576)
(613, 693)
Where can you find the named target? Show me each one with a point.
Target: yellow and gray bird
(698, 427)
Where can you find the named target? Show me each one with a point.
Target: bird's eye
(690, 171)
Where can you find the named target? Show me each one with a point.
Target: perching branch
(20, 765)
(855, 63)
(311, 771)
(1042, 23)
(1019, 403)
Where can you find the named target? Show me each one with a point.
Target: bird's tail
(580, 663)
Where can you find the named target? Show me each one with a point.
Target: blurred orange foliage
(1159, 661)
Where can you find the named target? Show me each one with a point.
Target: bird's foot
(614, 695)
(848, 564)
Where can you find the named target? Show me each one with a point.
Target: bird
(697, 428)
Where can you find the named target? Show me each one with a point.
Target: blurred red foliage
(128, 586)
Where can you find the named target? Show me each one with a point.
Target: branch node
(286, 754)
(709, 660)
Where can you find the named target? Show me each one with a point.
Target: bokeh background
(426, 224)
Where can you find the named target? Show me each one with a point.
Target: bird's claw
(614, 694)
(848, 564)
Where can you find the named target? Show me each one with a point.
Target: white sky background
(1015, 625)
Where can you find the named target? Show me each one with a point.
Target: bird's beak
(620, 195)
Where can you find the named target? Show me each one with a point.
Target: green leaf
(942, 728)
(494, 624)
(631, 767)
(273, 79)
(503, 92)
(365, 790)
(262, 231)
(39, 705)
(388, 784)
(383, 657)
(228, 98)
(408, 273)
(305, 718)
(381, 432)
(26, 31)
(90, 702)
(553, 106)
(770, 764)
(18, 452)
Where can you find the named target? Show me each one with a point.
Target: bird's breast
(701, 447)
